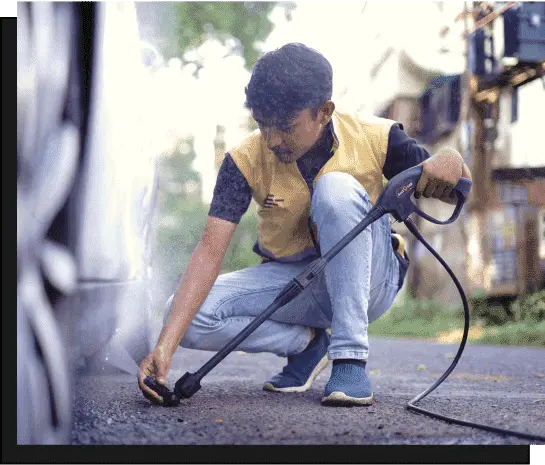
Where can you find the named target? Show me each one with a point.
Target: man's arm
(440, 173)
(201, 273)
(403, 152)
(232, 196)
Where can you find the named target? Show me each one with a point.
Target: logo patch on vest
(271, 201)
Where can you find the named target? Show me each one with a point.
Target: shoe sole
(341, 399)
(322, 364)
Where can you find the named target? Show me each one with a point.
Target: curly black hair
(288, 80)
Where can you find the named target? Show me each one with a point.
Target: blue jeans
(356, 287)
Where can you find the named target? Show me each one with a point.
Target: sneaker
(303, 368)
(348, 385)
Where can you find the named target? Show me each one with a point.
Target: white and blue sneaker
(348, 384)
(303, 368)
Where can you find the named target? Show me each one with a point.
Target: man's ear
(327, 108)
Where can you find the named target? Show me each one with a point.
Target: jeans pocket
(381, 299)
(403, 266)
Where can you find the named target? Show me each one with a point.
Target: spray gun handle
(396, 196)
(462, 191)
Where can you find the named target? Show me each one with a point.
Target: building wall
(525, 150)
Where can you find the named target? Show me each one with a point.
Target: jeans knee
(191, 338)
(207, 321)
(334, 191)
(199, 334)
(195, 330)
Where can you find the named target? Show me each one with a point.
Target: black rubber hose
(411, 405)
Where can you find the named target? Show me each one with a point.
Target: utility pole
(483, 111)
(465, 127)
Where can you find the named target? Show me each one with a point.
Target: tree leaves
(176, 28)
(181, 218)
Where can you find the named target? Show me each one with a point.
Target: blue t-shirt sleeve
(232, 193)
(403, 152)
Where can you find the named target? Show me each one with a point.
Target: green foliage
(175, 29)
(180, 215)
(425, 310)
(531, 308)
(492, 314)
(515, 334)
(247, 22)
(180, 220)
(240, 254)
(178, 27)
(484, 311)
(426, 319)
(416, 318)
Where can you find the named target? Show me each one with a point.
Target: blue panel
(511, 32)
(440, 107)
(524, 32)
(476, 52)
(478, 58)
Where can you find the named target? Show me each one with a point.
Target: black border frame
(13, 453)
(271, 454)
(9, 231)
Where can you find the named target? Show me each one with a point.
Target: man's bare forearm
(199, 277)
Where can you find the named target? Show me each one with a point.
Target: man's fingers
(430, 188)
(448, 190)
(422, 182)
(149, 393)
(443, 189)
(452, 197)
(155, 398)
(142, 374)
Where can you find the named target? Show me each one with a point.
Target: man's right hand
(155, 365)
(201, 273)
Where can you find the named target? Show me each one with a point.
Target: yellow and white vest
(282, 194)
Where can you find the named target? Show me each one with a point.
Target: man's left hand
(440, 174)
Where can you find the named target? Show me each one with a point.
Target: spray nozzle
(170, 399)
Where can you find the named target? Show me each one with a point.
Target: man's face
(292, 139)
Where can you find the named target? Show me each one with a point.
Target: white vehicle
(86, 183)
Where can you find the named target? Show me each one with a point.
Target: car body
(86, 185)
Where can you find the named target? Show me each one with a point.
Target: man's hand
(155, 365)
(440, 174)
(200, 274)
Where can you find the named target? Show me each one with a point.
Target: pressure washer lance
(395, 199)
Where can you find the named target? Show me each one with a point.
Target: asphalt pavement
(500, 386)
